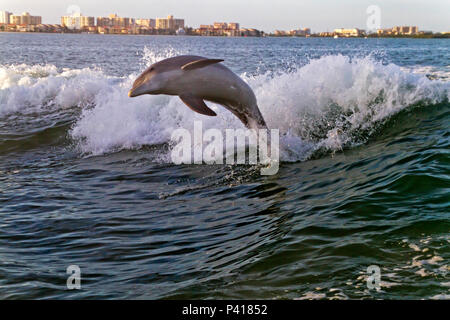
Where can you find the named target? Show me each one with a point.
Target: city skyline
(286, 15)
(114, 24)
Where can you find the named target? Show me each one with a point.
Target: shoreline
(431, 36)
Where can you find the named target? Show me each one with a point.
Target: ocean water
(86, 177)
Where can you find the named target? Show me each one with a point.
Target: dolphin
(196, 79)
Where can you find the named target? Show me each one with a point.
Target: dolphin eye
(151, 69)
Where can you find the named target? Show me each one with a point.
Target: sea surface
(86, 177)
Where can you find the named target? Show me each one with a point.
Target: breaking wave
(326, 105)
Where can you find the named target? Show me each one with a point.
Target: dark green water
(85, 176)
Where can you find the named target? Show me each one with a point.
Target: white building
(170, 23)
(4, 17)
(354, 32)
(149, 23)
(25, 19)
(77, 21)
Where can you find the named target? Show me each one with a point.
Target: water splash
(33, 89)
(329, 104)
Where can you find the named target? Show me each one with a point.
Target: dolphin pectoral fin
(197, 104)
(200, 64)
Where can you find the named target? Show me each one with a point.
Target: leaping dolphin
(195, 79)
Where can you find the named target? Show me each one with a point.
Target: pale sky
(267, 15)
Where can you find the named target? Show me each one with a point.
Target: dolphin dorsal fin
(200, 64)
(197, 104)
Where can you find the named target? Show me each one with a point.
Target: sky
(267, 15)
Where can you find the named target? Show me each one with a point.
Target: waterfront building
(233, 26)
(49, 28)
(399, 30)
(169, 23)
(115, 22)
(384, 32)
(220, 25)
(250, 32)
(220, 29)
(4, 17)
(281, 33)
(405, 30)
(326, 34)
(354, 32)
(149, 23)
(205, 30)
(25, 19)
(77, 21)
(301, 32)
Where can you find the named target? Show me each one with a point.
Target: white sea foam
(32, 89)
(325, 104)
(332, 99)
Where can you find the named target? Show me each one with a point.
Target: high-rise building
(169, 23)
(233, 26)
(15, 19)
(414, 30)
(77, 21)
(25, 19)
(149, 23)
(114, 21)
(220, 25)
(5, 16)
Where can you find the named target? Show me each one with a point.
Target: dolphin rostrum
(195, 79)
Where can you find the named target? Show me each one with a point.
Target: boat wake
(329, 104)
